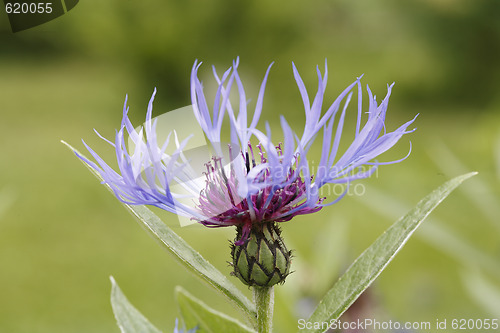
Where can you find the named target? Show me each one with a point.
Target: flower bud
(263, 260)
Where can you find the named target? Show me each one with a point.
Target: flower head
(244, 184)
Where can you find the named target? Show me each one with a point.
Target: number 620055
(28, 8)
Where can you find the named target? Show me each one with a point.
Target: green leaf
(128, 318)
(195, 313)
(373, 260)
(435, 233)
(187, 256)
(191, 259)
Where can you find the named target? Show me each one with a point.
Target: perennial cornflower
(252, 186)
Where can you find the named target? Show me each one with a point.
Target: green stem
(264, 301)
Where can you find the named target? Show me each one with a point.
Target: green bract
(263, 260)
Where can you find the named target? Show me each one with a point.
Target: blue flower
(252, 180)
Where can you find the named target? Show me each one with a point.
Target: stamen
(247, 162)
(253, 157)
(261, 153)
(223, 174)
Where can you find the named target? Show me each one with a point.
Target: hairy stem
(264, 301)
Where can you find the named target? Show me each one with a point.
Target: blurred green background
(62, 234)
